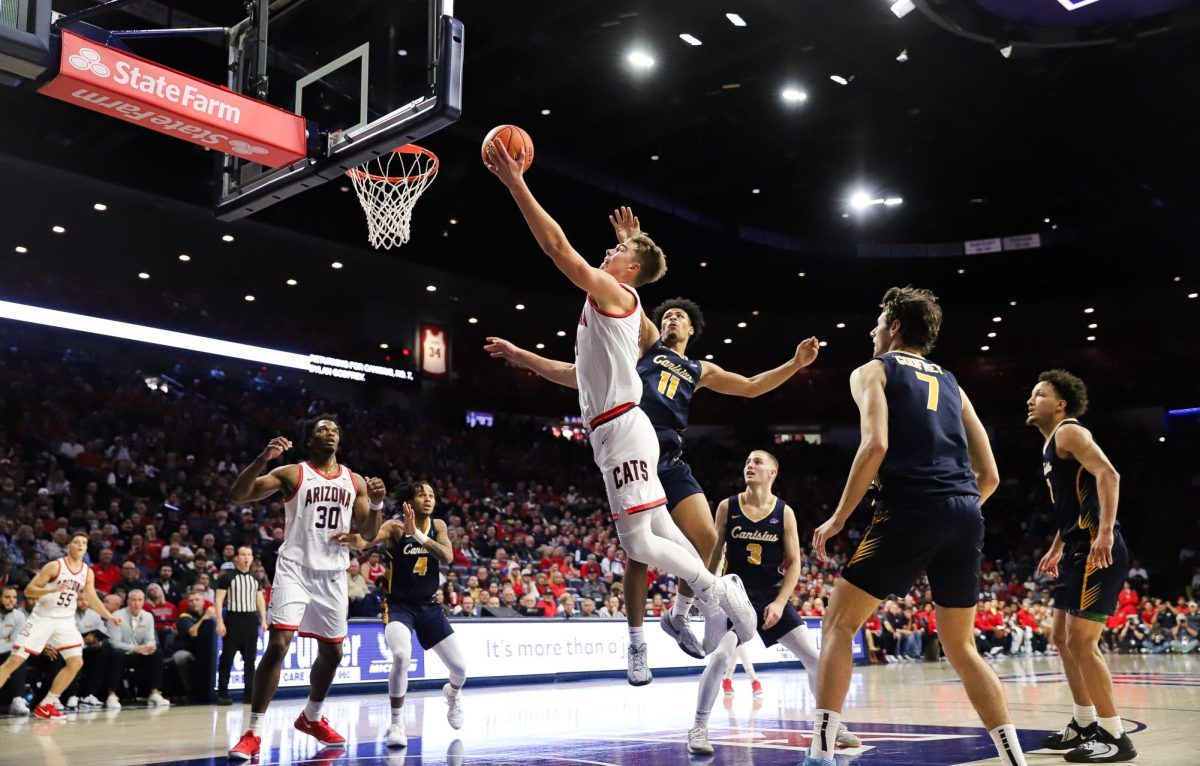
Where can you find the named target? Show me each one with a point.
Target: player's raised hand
(503, 166)
(771, 614)
(499, 348)
(625, 224)
(824, 534)
(410, 520)
(1100, 556)
(806, 352)
(376, 490)
(1049, 563)
(276, 447)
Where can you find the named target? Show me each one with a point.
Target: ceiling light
(729, 340)
(249, 299)
(227, 237)
(545, 112)
(1054, 227)
(754, 313)
(860, 200)
(640, 60)
(735, 20)
(991, 334)
(453, 221)
(1162, 439)
(335, 265)
(823, 344)
(1091, 337)
(100, 206)
(1006, 50)
(962, 271)
(1093, 326)
(997, 319)
(793, 95)
(1045, 220)
(903, 56)
(143, 275)
(185, 257)
(985, 348)
(903, 7)
(741, 324)
(431, 288)
(1012, 303)
(708, 356)
(654, 157)
(58, 230)
(343, 189)
(1177, 279)
(703, 264)
(540, 345)
(383, 345)
(472, 320)
(801, 274)
(520, 307)
(893, 201)
(1192, 295)
(21, 249)
(1089, 310)
(292, 283)
(561, 333)
(839, 79)
(841, 325)
(756, 191)
(689, 39)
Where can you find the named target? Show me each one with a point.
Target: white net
(388, 188)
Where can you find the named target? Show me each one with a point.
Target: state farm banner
(435, 351)
(113, 82)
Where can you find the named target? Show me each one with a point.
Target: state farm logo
(249, 150)
(87, 60)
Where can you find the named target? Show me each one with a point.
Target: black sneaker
(1103, 748)
(1071, 737)
(224, 700)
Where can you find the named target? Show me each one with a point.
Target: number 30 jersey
(320, 507)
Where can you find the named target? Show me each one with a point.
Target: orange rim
(363, 175)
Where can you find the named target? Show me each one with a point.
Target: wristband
(421, 537)
(376, 506)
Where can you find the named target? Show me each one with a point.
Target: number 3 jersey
(927, 442)
(754, 548)
(320, 507)
(412, 571)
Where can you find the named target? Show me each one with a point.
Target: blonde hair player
(56, 589)
(623, 441)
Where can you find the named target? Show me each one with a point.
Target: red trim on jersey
(27, 650)
(646, 506)
(626, 315)
(322, 638)
(64, 648)
(277, 626)
(612, 414)
(69, 569)
(299, 481)
(336, 476)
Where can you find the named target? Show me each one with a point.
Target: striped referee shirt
(243, 591)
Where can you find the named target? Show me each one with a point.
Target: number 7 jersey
(320, 507)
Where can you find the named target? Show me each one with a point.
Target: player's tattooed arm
(562, 373)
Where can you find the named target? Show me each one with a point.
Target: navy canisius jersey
(1072, 492)
(412, 571)
(754, 547)
(668, 383)
(927, 443)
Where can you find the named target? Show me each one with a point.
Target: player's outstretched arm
(720, 522)
(604, 288)
(724, 382)
(979, 449)
(1078, 442)
(562, 373)
(251, 485)
(866, 386)
(368, 505)
(360, 543)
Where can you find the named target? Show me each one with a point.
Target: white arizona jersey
(321, 507)
(607, 347)
(60, 604)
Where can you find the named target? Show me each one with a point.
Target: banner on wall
(511, 649)
(435, 351)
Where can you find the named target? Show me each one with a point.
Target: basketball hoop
(388, 188)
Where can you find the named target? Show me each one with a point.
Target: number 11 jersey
(320, 507)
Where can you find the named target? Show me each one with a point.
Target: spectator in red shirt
(183, 605)
(1128, 595)
(655, 609)
(557, 585)
(106, 573)
(372, 570)
(154, 548)
(164, 613)
(589, 566)
(548, 604)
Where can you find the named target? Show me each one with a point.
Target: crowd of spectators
(143, 463)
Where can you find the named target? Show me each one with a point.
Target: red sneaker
(757, 687)
(246, 748)
(321, 730)
(46, 710)
(727, 686)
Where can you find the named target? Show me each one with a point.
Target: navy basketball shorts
(1090, 593)
(676, 477)
(427, 620)
(944, 538)
(788, 621)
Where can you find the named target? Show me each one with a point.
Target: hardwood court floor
(906, 714)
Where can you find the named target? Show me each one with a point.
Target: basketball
(514, 139)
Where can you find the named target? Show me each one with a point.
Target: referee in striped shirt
(241, 613)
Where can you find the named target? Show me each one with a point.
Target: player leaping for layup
(623, 441)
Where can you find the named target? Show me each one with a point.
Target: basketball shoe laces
(638, 657)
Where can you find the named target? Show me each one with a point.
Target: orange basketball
(514, 139)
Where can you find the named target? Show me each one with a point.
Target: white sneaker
(19, 706)
(731, 595)
(455, 714)
(698, 743)
(113, 703)
(396, 736)
(637, 668)
(847, 739)
(72, 702)
(157, 700)
(716, 625)
(680, 629)
(90, 701)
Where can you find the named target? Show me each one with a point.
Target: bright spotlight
(860, 200)
(794, 95)
(641, 60)
(903, 7)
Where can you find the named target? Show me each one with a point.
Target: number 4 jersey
(927, 443)
(412, 571)
(320, 507)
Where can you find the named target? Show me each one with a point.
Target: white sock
(826, 724)
(1083, 714)
(701, 718)
(450, 691)
(1112, 726)
(636, 637)
(1007, 745)
(256, 722)
(397, 716)
(682, 606)
(52, 699)
(312, 710)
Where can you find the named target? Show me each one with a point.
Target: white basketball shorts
(313, 602)
(58, 632)
(626, 450)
